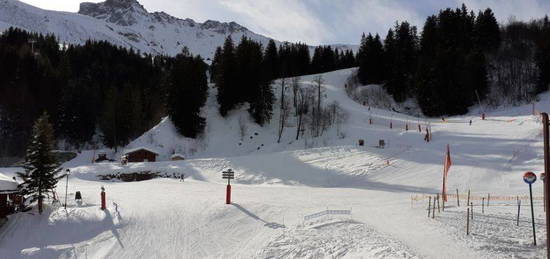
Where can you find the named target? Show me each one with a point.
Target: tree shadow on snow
(272, 225)
(111, 225)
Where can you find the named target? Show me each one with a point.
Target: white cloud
(289, 19)
(58, 5)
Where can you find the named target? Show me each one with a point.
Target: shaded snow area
(278, 186)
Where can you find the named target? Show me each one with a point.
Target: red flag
(446, 166)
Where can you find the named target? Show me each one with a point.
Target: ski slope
(280, 183)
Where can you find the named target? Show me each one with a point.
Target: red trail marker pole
(229, 174)
(228, 195)
(103, 206)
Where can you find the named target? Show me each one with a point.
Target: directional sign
(529, 177)
(229, 174)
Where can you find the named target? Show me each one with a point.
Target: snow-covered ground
(279, 184)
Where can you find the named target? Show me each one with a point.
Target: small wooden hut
(141, 154)
(10, 197)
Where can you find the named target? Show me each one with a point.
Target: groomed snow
(277, 185)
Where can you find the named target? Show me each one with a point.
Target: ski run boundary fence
(452, 197)
(327, 212)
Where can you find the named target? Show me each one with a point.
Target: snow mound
(7, 183)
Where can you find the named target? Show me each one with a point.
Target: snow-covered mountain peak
(131, 12)
(125, 23)
(121, 12)
(225, 28)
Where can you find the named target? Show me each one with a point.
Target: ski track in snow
(334, 239)
(279, 183)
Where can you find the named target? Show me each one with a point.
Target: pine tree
(253, 76)
(371, 63)
(451, 69)
(271, 60)
(389, 55)
(543, 58)
(187, 94)
(487, 32)
(400, 58)
(41, 167)
(214, 67)
(226, 80)
(261, 107)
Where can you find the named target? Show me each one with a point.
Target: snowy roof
(177, 155)
(132, 150)
(7, 184)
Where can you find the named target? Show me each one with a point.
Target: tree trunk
(282, 111)
(299, 127)
(40, 201)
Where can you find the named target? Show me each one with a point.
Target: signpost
(67, 187)
(543, 179)
(530, 178)
(229, 174)
(546, 135)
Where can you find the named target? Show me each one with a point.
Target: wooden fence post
(429, 205)
(433, 211)
(519, 208)
(438, 208)
(468, 221)
(457, 198)
(468, 202)
(483, 205)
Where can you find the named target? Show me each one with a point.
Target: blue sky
(320, 21)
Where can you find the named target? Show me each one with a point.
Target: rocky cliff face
(131, 12)
(121, 12)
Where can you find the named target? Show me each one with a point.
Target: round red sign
(529, 177)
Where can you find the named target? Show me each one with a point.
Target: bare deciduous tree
(295, 89)
(283, 112)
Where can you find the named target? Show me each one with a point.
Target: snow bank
(7, 184)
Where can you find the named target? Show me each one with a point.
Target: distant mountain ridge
(127, 23)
